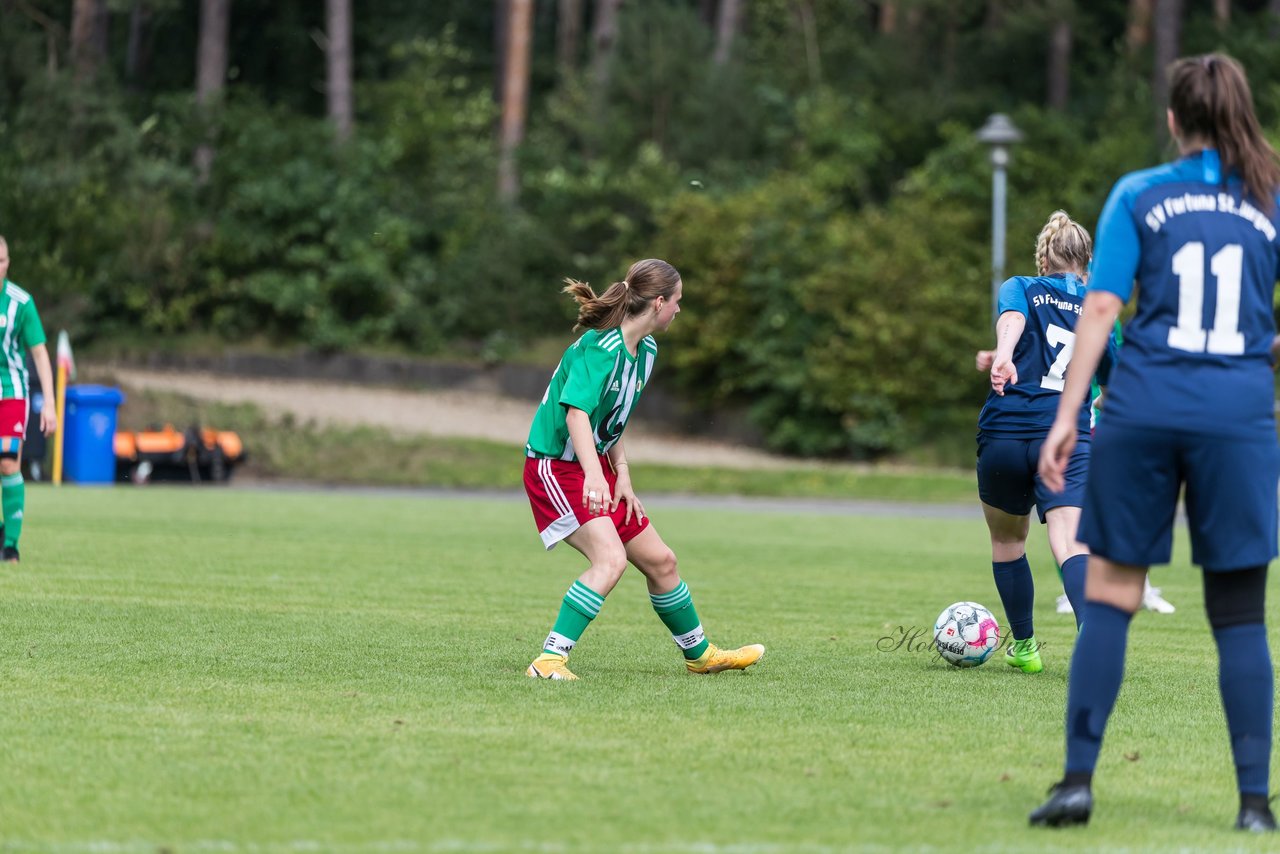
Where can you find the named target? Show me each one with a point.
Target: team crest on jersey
(639, 385)
(4, 321)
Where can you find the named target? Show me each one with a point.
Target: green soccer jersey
(20, 330)
(598, 376)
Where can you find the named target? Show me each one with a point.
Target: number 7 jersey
(1205, 260)
(1051, 305)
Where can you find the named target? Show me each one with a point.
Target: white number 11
(1225, 338)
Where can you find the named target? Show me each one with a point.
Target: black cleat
(1067, 805)
(9, 554)
(1256, 820)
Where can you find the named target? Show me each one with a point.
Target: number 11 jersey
(1205, 260)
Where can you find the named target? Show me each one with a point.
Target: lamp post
(999, 132)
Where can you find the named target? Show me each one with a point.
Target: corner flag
(66, 368)
(65, 359)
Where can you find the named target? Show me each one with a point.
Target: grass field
(208, 670)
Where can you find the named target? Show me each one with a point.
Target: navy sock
(1245, 679)
(1017, 594)
(1073, 572)
(1097, 667)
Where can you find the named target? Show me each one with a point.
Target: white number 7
(1056, 335)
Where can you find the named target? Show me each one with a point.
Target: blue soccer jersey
(1051, 305)
(1197, 352)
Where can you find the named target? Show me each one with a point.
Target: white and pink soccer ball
(966, 634)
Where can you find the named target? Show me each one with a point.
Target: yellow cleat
(715, 659)
(550, 666)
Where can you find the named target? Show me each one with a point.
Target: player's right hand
(1003, 373)
(983, 360)
(595, 494)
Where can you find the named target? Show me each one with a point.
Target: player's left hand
(983, 360)
(622, 491)
(1275, 351)
(48, 421)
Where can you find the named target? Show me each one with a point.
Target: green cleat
(1025, 655)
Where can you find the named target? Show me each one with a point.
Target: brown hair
(645, 281)
(1210, 97)
(1063, 245)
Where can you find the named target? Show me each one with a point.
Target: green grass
(194, 670)
(286, 449)
(813, 480)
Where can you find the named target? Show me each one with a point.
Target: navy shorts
(1007, 478)
(1132, 497)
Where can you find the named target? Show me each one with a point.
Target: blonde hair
(1063, 245)
(644, 282)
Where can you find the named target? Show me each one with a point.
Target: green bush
(845, 332)
(95, 217)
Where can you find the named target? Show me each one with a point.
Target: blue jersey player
(1191, 404)
(1035, 340)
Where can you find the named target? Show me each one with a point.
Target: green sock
(580, 606)
(13, 497)
(681, 618)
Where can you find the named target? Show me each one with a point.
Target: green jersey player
(20, 331)
(579, 482)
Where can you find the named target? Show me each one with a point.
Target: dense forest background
(417, 177)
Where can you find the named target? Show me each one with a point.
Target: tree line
(417, 177)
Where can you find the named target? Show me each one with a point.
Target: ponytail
(1209, 96)
(598, 312)
(646, 281)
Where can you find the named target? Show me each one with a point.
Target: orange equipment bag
(196, 454)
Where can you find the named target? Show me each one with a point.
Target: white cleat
(1153, 601)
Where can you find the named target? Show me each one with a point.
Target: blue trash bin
(89, 453)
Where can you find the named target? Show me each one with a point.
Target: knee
(1004, 540)
(1007, 546)
(660, 569)
(1008, 532)
(664, 570)
(612, 563)
(8, 465)
(1066, 548)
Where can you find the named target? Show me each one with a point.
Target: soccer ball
(966, 634)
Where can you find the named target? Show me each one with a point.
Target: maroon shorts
(554, 488)
(13, 418)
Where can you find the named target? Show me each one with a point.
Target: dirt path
(437, 413)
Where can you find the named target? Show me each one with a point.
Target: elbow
(1102, 306)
